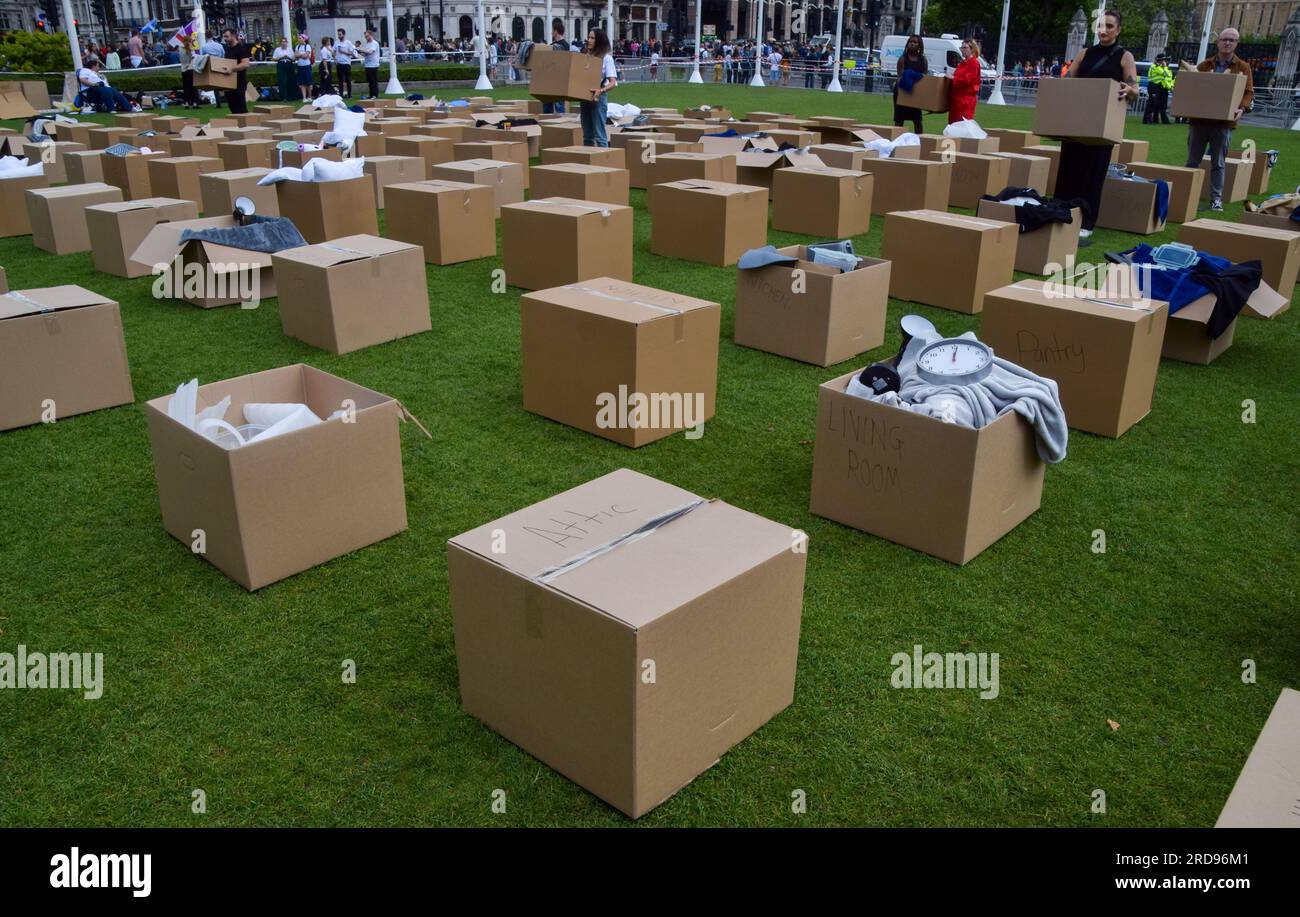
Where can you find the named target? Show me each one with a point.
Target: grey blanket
(262, 234)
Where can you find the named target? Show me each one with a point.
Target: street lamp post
(394, 88)
(995, 97)
(758, 52)
(483, 81)
(839, 41)
(695, 74)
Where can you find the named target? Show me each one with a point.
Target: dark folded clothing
(1031, 216)
(260, 234)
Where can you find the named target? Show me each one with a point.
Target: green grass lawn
(209, 687)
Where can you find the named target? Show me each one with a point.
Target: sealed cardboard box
(684, 166)
(83, 167)
(623, 139)
(137, 121)
(454, 132)
(250, 119)
(726, 623)
(611, 157)
(1277, 249)
(938, 143)
(1087, 109)
(171, 124)
(909, 184)
(1260, 170)
(1013, 141)
(353, 292)
(1184, 187)
(642, 153)
(1103, 353)
(329, 209)
(887, 131)
(62, 353)
(1053, 155)
(77, 133)
(116, 231)
(947, 260)
(1042, 250)
(659, 351)
(219, 191)
(834, 203)
(274, 110)
(217, 73)
(248, 154)
(527, 135)
(208, 146)
(796, 138)
(276, 507)
(942, 488)
(973, 176)
(768, 115)
(58, 215)
(393, 170)
(1209, 96)
(101, 138)
(1027, 171)
(131, 173)
(393, 127)
(370, 145)
(581, 182)
(504, 150)
(709, 221)
(830, 316)
(558, 75)
(691, 133)
(1264, 795)
(929, 93)
(1236, 180)
(451, 221)
(1131, 206)
(433, 150)
(567, 133)
(844, 156)
(547, 242)
(14, 220)
(178, 176)
(1127, 151)
(506, 179)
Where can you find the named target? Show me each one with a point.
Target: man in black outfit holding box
(240, 53)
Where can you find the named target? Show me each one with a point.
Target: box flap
(1267, 792)
(74, 190)
(705, 186)
(18, 303)
(344, 250)
(1118, 308)
(619, 299)
(957, 219)
(164, 240)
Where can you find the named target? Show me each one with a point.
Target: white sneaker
(1085, 233)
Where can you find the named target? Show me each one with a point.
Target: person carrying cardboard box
(1082, 172)
(1217, 135)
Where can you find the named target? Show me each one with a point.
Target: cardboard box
(53, 156)
(834, 203)
(84, 166)
(101, 138)
(973, 176)
(1236, 180)
(503, 150)
(1184, 187)
(726, 624)
(942, 488)
(131, 173)
(1043, 250)
(1103, 356)
(393, 127)
(947, 260)
(454, 132)
(1264, 795)
(799, 138)
(769, 115)
(547, 242)
(832, 316)
(451, 221)
(641, 153)
(1277, 249)
(58, 215)
(1013, 141)
(353, 292)
(219, 191)
(650, 343)
(683, 166)
(1272, 220)
(844, 156)
(77, 133)
(1129, 206)
(559, 75)
(248, 154)
(244, 133)
(1027, 171)
(37, 93)
(330, 210)
(691, 133)
(62, 353)
(506, 179)
(13, 103)
(757, 167)
(854, 134)
(393, 170)
(209, 147)
(277, 507)
(1260, 171)
(611, 157)
(288, 125)
(937, 143)
(1127, 151)
(219, 73)
(1208, 96)
(887, 131)
(274, 110)
(433, 150)
(171, 124)
(370, 145)
(178, 176)
(929, 93)
(310, 137)
(568, 133)
(137, 121)
(909, 184)
(116, 231)
(529, 135)
(708, 221)
(14, 220)
(581, 182)
(1053, 155)
(299, 158)
(250, 119)
(1087, 109)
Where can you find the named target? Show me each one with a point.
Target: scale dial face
(954, 361)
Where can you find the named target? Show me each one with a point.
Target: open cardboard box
(552, 652)
(274, 508)
(222, 263)
(117, 229)
(1277, 249)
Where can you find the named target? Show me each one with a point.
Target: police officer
(1160, 79)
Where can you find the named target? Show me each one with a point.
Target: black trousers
(372, 78)
(907, 113)
(345, 79)
(235, 99)
(326, 86)
(1082, 174)
(1157, 103)
(189, 95)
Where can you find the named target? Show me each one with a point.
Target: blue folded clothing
(1176, 287)
(909, 78)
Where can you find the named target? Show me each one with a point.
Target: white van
(942, 54)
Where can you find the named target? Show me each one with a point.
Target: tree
(35, 52)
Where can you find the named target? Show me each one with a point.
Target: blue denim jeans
(593, 122)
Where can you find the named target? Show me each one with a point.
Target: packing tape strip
(638, 302)
(343, 249)
(24, 298)
(649, 527)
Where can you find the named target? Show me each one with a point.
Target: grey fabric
(1007, 387)
(762, 257)
(1217, 138)
(262, 234)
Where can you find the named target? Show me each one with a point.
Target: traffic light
(52, 13)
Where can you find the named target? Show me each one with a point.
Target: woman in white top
(284, 72)
(302, 57)
(326, 58)
(593, 112)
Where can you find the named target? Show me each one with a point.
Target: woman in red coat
(965, 83)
